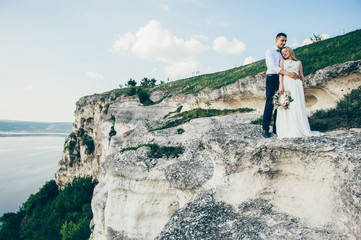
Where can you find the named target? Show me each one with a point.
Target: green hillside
(315, 56)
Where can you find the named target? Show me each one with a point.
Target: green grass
(315, 56)
(186, 116)
(213, 80)
(346, 115)
(259, 121)
(157, 151)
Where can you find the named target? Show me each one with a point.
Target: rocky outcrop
(232, 184)
(227, 182)
(323, 90)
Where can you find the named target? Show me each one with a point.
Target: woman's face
(285, 53)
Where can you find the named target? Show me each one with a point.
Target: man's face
(281, 41)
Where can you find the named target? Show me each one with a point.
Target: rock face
(228, 182)
(231, 184)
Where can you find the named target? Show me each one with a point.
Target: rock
(238, 186)
(229, 182)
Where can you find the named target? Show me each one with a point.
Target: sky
(53, 52)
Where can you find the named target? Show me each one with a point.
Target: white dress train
(293, 122)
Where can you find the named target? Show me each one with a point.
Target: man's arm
(271, 64)
(289, 74)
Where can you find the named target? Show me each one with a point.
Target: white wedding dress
(293, 122)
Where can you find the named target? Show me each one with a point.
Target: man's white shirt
(273, 58)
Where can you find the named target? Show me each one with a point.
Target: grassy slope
(314, 57)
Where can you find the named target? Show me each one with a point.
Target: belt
(272, 74)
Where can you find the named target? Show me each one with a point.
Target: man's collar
(277, 49)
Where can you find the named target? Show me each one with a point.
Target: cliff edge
(216, 177)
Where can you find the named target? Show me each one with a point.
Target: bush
(186, 116)
(346, 115)
(112, 132)
(180, 130)
(144, 96)
(158, 152)
(52, 214)
(131, 91)
(89, 143)
(106, 108)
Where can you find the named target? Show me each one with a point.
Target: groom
(273, 58)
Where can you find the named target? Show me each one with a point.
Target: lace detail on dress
(291, 66)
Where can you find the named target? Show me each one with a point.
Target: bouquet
(287, 99)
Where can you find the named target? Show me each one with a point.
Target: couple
(285, 73)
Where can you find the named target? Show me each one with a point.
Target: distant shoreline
(10, 128)
(31, 134)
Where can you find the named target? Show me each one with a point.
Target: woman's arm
(301, 76)
(281, 89)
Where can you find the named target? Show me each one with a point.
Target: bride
(293, 121)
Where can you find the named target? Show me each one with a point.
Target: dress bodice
(291, 66)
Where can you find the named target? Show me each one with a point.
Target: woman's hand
(293, 75)
(281, 90)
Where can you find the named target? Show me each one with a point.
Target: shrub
(346, 115)
(158, 152)
(89, 143)
(52, 214)
(71, 146)
(186, 116)
(144, 96)
(106, 108)
(112, 132)
(180, 130)
(131, 91)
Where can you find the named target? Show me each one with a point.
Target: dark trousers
(272, 85)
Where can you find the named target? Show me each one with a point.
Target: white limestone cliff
(229, 183)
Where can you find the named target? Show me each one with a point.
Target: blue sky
(52, 52)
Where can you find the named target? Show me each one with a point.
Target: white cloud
(124, 41)
(94, 75)
(178, 69)
(222, 45)
(154, 42)
(248, 60)
(201, 37)
(308, 41)
(165, 7)
(294, 44)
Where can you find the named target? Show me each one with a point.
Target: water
(26, 163)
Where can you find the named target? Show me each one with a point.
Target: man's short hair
(281, 34)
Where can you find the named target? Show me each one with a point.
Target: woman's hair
(291, 52)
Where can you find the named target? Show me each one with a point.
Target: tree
(316, 38)
(131, 83)
(148, 83)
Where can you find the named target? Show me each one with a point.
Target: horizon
(52, 54)
(15, 120)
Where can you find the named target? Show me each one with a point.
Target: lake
(27, 161)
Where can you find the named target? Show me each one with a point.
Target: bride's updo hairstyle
(291, 52)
